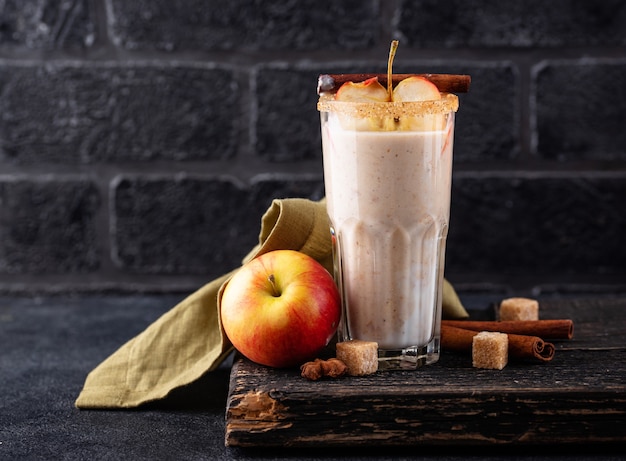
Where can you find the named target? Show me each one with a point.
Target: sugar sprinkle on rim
(448, 103)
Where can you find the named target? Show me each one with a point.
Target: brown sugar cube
(519, 309)
(490, 350)
(361, 357)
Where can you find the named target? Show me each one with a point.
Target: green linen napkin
(188, 341)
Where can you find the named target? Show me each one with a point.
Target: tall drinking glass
(387, 174)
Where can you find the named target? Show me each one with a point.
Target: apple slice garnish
(369, 90)
(413, 89)
(410, 89)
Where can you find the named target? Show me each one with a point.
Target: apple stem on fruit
(272, 281)
(392, 55)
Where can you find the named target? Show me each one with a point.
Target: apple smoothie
(387, 174)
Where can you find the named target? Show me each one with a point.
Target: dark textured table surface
(47, 347)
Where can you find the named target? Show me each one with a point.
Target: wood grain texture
(578, 397)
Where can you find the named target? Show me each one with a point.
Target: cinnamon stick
(546, 329)
(521, 347)
(446, 83)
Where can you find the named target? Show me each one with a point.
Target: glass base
(410, 358)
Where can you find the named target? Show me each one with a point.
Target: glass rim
(449, 102)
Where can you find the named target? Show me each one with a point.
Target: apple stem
(392, 55)
(272, 281)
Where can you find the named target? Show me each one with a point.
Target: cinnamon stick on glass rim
(546, 329)
(521, 347)
(446, 83)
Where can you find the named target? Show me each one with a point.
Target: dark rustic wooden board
(578, 397)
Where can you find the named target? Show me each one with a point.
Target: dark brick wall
(140, 142)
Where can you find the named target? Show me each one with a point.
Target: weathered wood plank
(580, 396)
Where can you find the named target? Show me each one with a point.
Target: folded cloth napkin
(188, 341)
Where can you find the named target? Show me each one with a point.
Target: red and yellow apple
(280, 309)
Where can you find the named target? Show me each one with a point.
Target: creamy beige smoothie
(388, 181)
